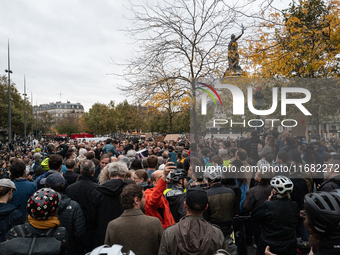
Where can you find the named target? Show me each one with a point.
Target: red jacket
(154, 199)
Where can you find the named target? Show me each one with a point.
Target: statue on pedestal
(233, 56)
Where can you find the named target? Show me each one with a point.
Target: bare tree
(182, 41)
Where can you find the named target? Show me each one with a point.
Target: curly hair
(128, 195)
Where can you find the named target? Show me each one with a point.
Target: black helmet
(178, 174)
(323, 210)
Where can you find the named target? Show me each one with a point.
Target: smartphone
(173, 158)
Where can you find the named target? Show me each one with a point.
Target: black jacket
(299, 191)
(248, 145)
(331, 184)
(107, 206)
(71, 217)
(10, 216)
(256, 196)
(70, 177)
(81, 192)
(278, 219)
(176, 198)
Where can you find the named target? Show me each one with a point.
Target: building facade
(60, 110)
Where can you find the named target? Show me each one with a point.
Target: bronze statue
(233, 56)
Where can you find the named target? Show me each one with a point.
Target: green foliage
(68, 126)
(17, 108)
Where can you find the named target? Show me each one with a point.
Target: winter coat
(176, 198)
(71, 217)
(192, 235)
(222, 203)
(278, 219)
(256, 196)
(70, 177)
(135, 231)
(107, 206)
(331, 184)
(156, 204)
(81, 192)
(299, 191)
(10, 216)
(25, 190)
(249, 148)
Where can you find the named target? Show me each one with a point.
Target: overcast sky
(65, 46)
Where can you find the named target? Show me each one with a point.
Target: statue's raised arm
(242, 27)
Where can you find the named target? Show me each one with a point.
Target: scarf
(44, 224)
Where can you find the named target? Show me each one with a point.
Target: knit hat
(43, 204)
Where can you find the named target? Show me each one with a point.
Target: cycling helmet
(107, 250)
(213, 175)
(221, 252)
(178, 174)
(263, 165)
(323, 210)
(43, 204)
(282, 184)
(336, 192)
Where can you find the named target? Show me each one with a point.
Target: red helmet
(43, 204)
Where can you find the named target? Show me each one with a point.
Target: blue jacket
(10, 216)
(25, 190)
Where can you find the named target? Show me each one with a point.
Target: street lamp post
(9, 100)
(258, 96)
(25, 108)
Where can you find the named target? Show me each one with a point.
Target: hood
(5, 209)
(112, 187)
(334, 180)
(63, 203)
(193, 235)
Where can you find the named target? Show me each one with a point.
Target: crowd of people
(71, 197)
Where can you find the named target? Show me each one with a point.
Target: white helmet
(107, 250)
(282, 184)
(213, 174)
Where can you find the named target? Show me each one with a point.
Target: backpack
(26, 244)
(253, 151)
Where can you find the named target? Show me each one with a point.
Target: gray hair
(223, 153)
(185, 154)
(117, 169)
(87, 167)
(50, 147)
(126, 160)
(37, 156)
(131, 153)
(82, 152)
(160, 160)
